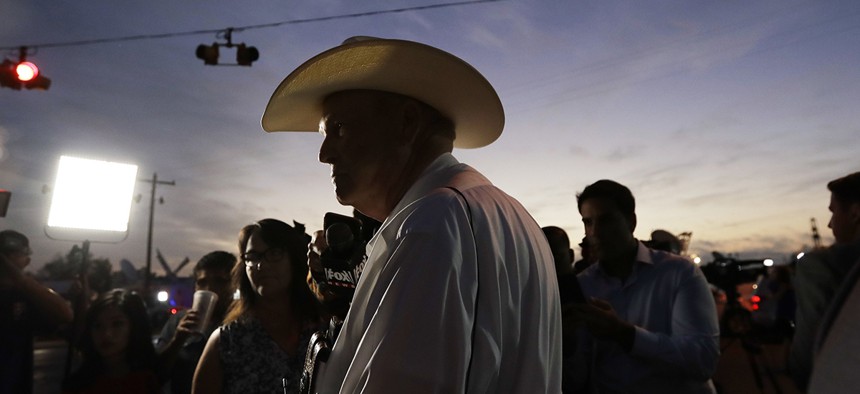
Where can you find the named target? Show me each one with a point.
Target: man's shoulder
(437, 204)
(670, 261)
(676, 269)
(846, 254)
(835, 260)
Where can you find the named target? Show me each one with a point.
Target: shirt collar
(435, 175)
(643, 254)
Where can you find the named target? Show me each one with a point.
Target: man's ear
(854, 213)
(410, 122)
(632, 222)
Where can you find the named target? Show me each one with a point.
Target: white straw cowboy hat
(435, 77)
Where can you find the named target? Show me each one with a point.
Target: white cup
(204, 304)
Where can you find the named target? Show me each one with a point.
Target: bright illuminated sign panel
(92, 195)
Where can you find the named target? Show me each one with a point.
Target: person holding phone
(650, 322)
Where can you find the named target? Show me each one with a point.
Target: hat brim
(435, 77)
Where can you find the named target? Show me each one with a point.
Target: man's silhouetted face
(844, 220)
(360, 145)
(217, 281)
(608, 232)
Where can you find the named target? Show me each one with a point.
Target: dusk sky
(725, 118)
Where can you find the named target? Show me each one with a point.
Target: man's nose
(327, 153)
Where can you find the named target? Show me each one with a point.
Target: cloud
(624, 153)
(579, 151)
(779, 248)
(505, 26)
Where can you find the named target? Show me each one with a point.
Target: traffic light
(209, 54)
(22, 74)
(245, 55)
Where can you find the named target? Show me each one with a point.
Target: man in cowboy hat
(457, 294)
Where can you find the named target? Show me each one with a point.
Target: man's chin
(342, 197)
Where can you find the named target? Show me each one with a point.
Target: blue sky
(725, 118)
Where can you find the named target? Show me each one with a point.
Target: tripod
(736, 325)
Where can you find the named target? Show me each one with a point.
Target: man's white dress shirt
(440, 308)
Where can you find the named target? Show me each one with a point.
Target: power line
(249, 27)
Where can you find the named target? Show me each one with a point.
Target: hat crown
(425, 73)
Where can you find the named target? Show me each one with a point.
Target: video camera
(727, 273)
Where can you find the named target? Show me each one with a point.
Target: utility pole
(154, 181)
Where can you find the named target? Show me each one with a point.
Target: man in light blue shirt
(650, 322)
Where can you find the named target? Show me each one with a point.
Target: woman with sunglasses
(261, 345)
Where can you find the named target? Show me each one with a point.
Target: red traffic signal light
(26, 71)
(15, 75)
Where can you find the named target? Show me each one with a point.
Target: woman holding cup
(266, 331)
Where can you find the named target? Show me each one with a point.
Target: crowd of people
(458, 290)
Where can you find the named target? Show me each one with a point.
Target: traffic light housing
(8, 77)
(245, 55)
(209, 54)
(22, 74)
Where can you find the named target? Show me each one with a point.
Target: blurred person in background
(587, 259)
(261, 345)
(562, 254)
(26, 308)
(820, 274)
(563, 257)
(179, 347)
(116, 348)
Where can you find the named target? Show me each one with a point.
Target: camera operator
(26, 307)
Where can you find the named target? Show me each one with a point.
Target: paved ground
(49, 361)
(734, 373)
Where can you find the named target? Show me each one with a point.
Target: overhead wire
(248, 27)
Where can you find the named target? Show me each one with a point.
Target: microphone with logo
(342, 261)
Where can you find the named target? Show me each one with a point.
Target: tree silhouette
(69, 267)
